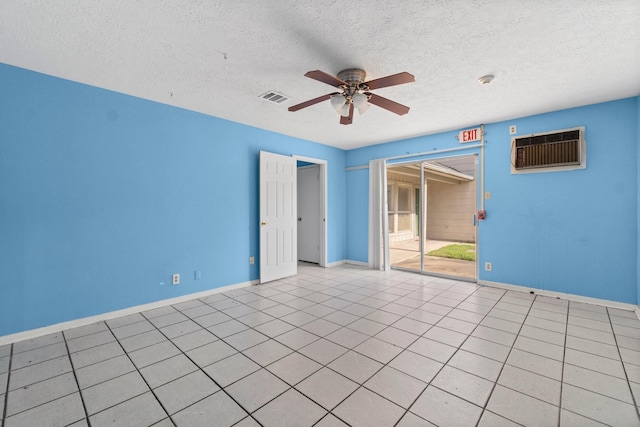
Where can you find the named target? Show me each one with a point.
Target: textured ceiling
(218, 56)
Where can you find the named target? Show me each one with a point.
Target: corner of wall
(638, 201)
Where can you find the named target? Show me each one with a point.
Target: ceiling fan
(355, 92)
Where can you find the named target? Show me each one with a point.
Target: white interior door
(278, 220)
(309, 214)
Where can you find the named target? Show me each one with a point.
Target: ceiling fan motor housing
(354, 77)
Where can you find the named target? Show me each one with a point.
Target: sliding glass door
(431, 216)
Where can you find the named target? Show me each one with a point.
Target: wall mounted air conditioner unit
(551, 151)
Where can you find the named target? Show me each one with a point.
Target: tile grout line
(199, 368)
(6, 391)
(564, 364)
(495, 383)
(564, 355)
(75, 377)
(289, 387)
(408, 409)
(624, 368)
(457, 349)
(196, 322)
(352, 302)
(139, 373)
(42, 380)
(406, 348)
(359, 317)
(348, 349)
(449, 359)
(355, 290)
(628, 381)
(566, 334)
(361, 385)
(319, 337)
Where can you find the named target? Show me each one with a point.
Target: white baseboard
(348, 261)
(51, 329)
(358, 263)
(570, 297)
(34, 333)
(335, 264)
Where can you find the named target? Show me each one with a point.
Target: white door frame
(310, 217)
(323, 203)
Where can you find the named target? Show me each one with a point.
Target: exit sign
(470, 135)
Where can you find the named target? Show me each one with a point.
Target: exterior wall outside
(464, 164)
(395, 179)
(401, 236)
(450, 209)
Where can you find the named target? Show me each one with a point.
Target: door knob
(300, 219)
(264, 223)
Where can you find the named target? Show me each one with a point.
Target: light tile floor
(334, 347)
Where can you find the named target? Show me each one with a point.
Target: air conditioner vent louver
(548, 150)
(274, 97)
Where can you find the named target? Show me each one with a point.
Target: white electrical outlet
(252, 260)
(176, 279)
(487, 266)
(512, 129)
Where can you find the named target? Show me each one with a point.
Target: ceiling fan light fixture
(338, 102)
(363, 108)
(344, 112)
(360, 101)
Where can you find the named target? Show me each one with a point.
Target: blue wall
(573, 232)
(638, 194)
(103, 196)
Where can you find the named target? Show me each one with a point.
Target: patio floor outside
(406, 255)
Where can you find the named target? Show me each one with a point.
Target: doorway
(432, 207)
(309, 212)
(316, 222)
(279, 214)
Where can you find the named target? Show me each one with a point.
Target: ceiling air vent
(560, 149)
(275, 97)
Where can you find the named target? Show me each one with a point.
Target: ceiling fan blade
(395, 79)
(323, 77)
(311, 102)
(387, 104)
(349, 119)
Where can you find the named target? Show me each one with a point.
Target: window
(404, 208)
(546, 152)
(399, 204)
(390, 208)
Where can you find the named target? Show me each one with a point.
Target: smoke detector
(485, 80)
